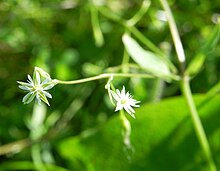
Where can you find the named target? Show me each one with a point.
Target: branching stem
(186, 91)
(102, 76)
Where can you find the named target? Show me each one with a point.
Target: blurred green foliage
(80, 130)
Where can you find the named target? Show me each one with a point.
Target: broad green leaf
(146, 59)
(162, 136)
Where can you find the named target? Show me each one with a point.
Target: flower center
(38, 88)
(123, 101)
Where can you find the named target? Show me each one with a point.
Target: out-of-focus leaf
(146, 59)
(212, 41)
(198, 61)
(162, 136)
(196, 64)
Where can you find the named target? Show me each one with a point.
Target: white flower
(125, 101)
(36, 88)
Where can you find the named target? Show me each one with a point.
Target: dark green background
(58, 37)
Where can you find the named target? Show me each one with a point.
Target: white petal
(28, 98)
(48, 87)
(130, 108)
(37, 78)
(116, 97)
(128, 95)
(132, 115)
(24, 88)
(47, 80)
(38, 98)
(47, 94)
(127, 110)
(118, 92)
(44, 98)
(30, 80)
(118, 107)
(123, 91)
(134, 105)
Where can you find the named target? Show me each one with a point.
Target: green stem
(185, 86)
(174, 32)
(125, 61)
(102, 76)
(139, 14)
(36, 156)
(197, 123)
(109, 14)
(126, 128)
(98, 36)
(132, 29)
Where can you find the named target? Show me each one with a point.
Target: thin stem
(109, 14)
(139, 14)
(98, 36)
(175, 34)
(120, 67)
(102, 76)
(197, 123)
(125, 61)
(114, 17)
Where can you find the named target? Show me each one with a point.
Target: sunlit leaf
(162, 136)
(146, 59)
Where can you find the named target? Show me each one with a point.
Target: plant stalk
(174, 32)
(200, 132)
(185, 87)
(102, 76)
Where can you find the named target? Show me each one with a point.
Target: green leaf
(162, 136)
(146, 59)
(196, 64)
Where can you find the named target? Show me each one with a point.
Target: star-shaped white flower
(36, 88)
(125, 101)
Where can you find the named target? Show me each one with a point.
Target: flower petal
(28, 98)
(44, 98)
(30, 80)
(49, 86)
(24, 84)
(47, 80)
(116, 97)
(118, 107)
(125, 101)
(47, 94)
(130, 109)
(118, 92)
(123, 91)
(38, 98)
(25, 88)
(37, 81)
